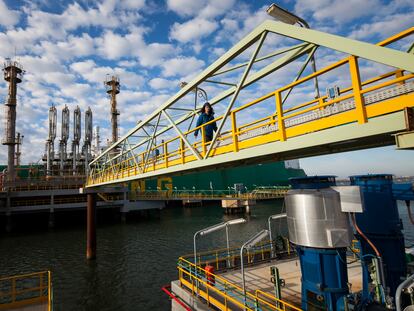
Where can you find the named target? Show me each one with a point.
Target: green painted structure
(26, 171)
(251, 176)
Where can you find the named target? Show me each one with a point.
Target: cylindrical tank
(381, 223)
(321, 232)
(315, 218)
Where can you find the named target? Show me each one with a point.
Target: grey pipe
(399, 290)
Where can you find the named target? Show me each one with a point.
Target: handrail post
(165, 149)
(279, 111)
(49, 290)
(234, 132)
(182, 151)
(203, 139)
(356, 86)
(398, 74)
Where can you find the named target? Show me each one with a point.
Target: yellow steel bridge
(370, 95)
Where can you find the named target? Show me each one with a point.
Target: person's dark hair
(203, 109)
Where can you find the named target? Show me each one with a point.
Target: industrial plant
(274, 239)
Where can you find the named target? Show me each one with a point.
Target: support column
(91, 227)
(124, 208)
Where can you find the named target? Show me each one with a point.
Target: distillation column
(19, 142)
(97, 147)
(64, 136)
(112, 89)
(76, 137)
(13, 74)
(50, 143)
(88, 137)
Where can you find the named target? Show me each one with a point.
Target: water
(134, 260)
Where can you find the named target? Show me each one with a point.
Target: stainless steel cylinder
(315, 218)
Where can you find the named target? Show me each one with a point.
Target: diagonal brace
(237, 91)
(195, 152)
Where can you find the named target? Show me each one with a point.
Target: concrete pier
(237, 206)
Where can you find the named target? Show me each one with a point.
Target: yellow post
(165, 155)
(279, 111)
(398, 74)
(203, 140)
(49, 291)
(234, 132)
(288, 246)
(356, 86)
(182, 151)
(320, 103)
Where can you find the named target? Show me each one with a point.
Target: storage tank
(315, 218)
(321, 233)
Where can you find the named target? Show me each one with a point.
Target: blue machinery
(318, 215)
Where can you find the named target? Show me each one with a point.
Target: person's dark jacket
(208, 129)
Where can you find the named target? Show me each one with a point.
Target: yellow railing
(210, 194)
(27, 289)
(285, 123)
(223, 294)
(224, 258)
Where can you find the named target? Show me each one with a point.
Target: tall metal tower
(112, 89)
(76, 137)
(64, 136)
(19, 142)
(13, 74)
(88, 137)
(50, 143)
(97, 141)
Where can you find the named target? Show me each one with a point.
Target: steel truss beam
(312, 40)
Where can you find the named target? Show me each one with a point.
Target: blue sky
(68, 47)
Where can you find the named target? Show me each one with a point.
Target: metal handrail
(26, 289)
(227, 291)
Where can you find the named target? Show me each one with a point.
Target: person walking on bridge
(207, 114)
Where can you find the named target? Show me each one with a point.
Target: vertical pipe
(48, 166)
(242, 273)
(74, 153)
(270, 236)
(228, 246)
(91, 227)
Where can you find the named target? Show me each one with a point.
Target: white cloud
(185, 7)
(202, 8)
(160, 83)
(91, 72)
(154, 54)
(72, 47)
(192, 30)
(114, 46)
(386, 27)
(8, 17)
(182, 66)
(343, 12)
(239, 22)
(133, 4)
